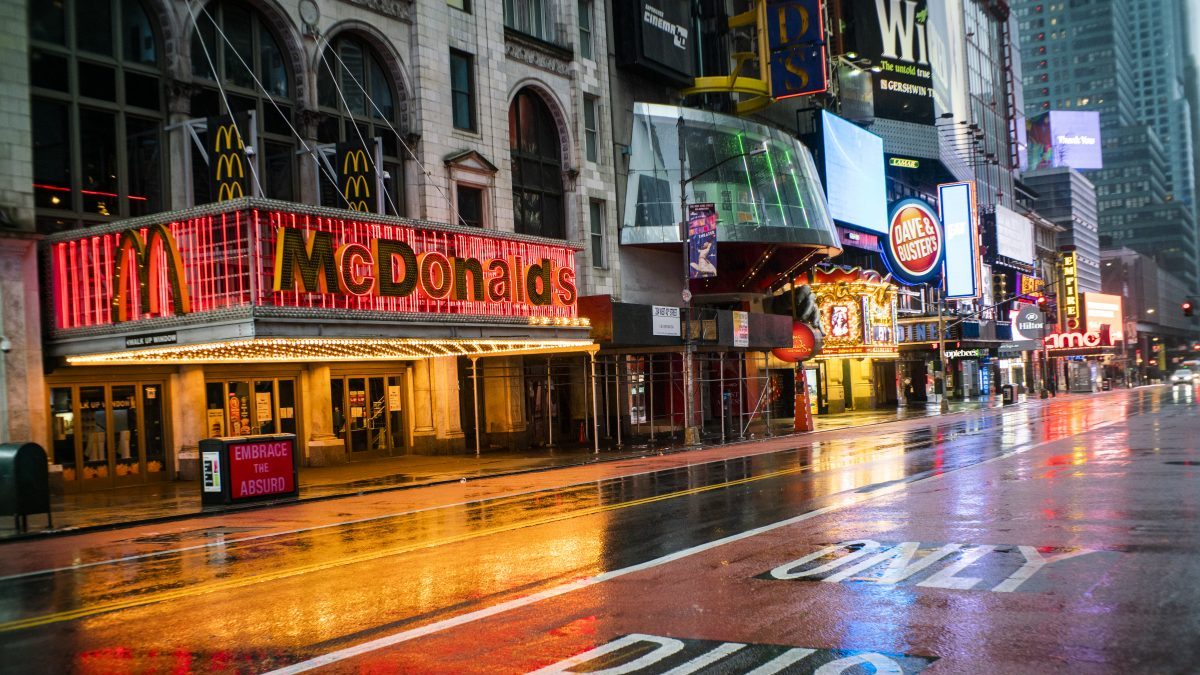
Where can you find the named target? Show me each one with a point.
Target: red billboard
(262, 468)
(319, 260)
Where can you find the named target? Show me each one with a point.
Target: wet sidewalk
(170, 500)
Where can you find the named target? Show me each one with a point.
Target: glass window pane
(264, 407)
(93, 427)
(204, 53)
(125, 434)
(51, 155)
(352, 74)
(94, 26)
(585, 29)
(97, 81)
(214, 396)
(381, 92)
(137, 37)
(152, 422)
(239, 45)
(327, 95)
(395, 411)
(287, 406)
(377, 423)
(470, 205)
(62, 410)
(279, 160)
(337, 406)
(142, 91)
(98, 161)
(237, 404)
(143, 151)
(596, 221)
(48, 71)
(46, 21)
(272, 70)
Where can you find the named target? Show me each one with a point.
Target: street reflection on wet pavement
(1030, 539)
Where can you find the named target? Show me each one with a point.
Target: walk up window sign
(248, 468)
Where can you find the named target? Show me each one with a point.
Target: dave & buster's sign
(320, 260)
(915, 243)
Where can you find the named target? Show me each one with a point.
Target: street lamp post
(691, 432)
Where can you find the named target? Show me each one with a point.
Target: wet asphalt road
(1049, 538)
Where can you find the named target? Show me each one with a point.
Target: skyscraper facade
(1124, 60)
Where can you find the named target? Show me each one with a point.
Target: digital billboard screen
(854, 174)
(956, 202)
(1099, 310)
(1064, 138)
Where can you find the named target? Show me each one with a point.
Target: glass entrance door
(108, 435)
(367, 414)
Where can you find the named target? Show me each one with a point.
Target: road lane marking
(283, 535)
(845, 500)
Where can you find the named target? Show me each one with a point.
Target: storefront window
(63, 410)
(264, 407)
(244, 408)
(367, 414)
(94, 429)
(287, 407)
(125, 435)
(152, 422)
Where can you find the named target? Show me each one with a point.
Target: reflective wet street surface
(1057, 536)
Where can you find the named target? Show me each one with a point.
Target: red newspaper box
(248, 468)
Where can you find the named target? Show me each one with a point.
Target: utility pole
(945, 404)
(690, 433)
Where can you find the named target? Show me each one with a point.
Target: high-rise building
(1067, 199)
(1124, 60)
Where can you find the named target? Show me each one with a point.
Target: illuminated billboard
(854, 174)
(956, 204)
(1064, 138)
(1101, 310)
(892, 36)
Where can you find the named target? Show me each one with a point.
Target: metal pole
(648, 386)
(607, 411)
(619, 360)
(767, 390)
(721, 389)
(741, 395)
(690, 435)
(595, 420)
(549, 405)
(671, 394)
(945, 404)
(475, 401)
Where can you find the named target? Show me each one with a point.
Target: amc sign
(1088, 340)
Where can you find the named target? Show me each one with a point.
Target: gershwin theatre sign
(270, 254)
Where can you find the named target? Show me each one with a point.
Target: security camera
(5, 345)
(250, 151)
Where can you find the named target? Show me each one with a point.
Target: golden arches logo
(228, 191)
(357, 191)
(133, 251)
(355, 161)
(228, 164)
(225, 136)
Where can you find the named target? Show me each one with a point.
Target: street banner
(702, 241)
(357, 178)
(228, 167)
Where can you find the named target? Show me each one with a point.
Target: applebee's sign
(915, 243)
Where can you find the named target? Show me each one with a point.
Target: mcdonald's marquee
(251, 268)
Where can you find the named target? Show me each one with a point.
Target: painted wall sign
(253, 257)
(261, 469)
(1000, 569)
(960, 222)
(805, 344)
(665, 321)
(643, 654)
(915, 243)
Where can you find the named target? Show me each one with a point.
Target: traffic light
(1187, 308)
(999, 287)
(1043, 303)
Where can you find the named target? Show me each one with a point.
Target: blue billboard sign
(960, 220)
(795, 40)
(855, 178)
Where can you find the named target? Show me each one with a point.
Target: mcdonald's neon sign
(246, 254)
(356, 176)
(137, 256)
(227, 161)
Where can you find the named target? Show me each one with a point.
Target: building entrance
(368, 414)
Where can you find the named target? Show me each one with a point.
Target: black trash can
(24, 483)
(1006, 394)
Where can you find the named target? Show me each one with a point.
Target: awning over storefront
(272, 281)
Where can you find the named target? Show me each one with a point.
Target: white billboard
(1014, 235)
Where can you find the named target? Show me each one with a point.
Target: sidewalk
(170, 500)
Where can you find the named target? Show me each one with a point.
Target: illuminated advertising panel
(956, 205)
(1014, 235)
(857, 312)
(1100, 310)
(1065, 138)
(855, 181)
(892, 36)
(656, 38)
(1069, 304)
(915, 245)
(316, 259)
(795, 39)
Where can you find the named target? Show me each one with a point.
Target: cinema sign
(257, 253)
(1088, 340)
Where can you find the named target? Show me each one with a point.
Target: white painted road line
(852, 499)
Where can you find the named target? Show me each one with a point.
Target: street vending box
(248, 469)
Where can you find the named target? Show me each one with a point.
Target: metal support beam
(595, 419)
(475, 402)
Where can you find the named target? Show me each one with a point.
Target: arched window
(233, 44)
(358, 102)
(536, 167)
(97, 111)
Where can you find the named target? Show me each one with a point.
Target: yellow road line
(241, 582)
